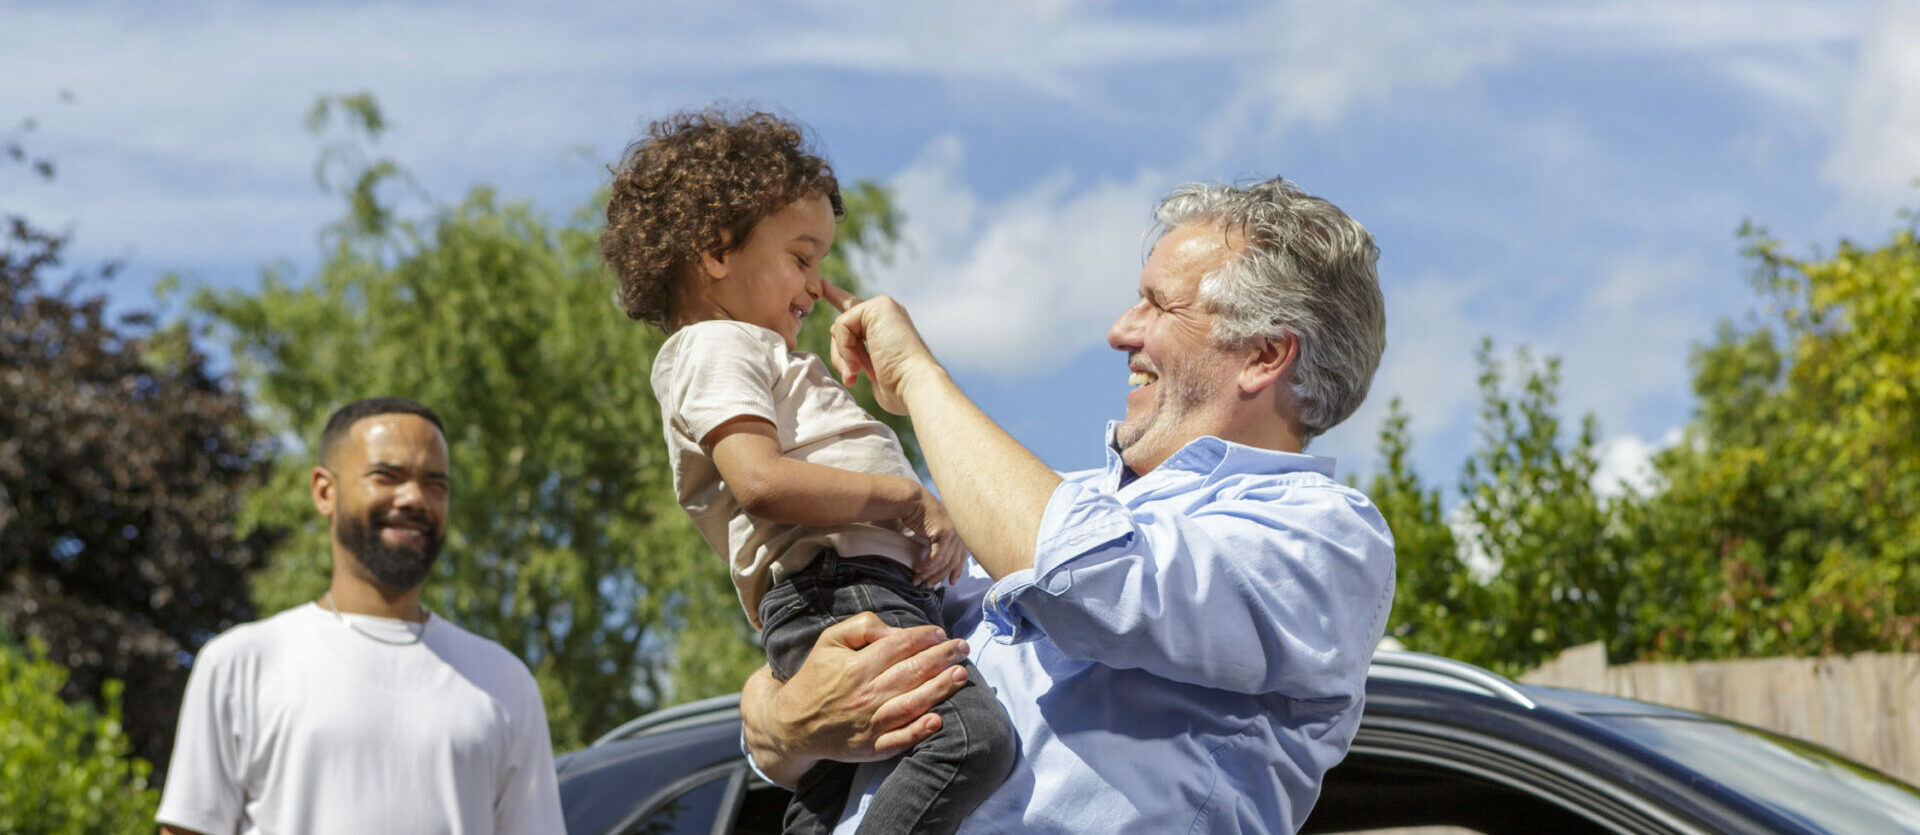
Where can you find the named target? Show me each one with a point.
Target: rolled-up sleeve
(1280, 585)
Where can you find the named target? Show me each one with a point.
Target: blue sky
(1563, 176)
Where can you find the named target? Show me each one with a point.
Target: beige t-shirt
(711, 372)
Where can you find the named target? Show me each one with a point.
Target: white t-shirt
(298, 723)
(711, 372)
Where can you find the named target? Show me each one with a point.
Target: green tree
(124, 462)
(1789, 522)
(1786, 521)
(1528, 563)
(1435, 597)
(65, 768)
(566, 543)
(1528, 500)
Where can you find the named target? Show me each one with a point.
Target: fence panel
(1860, 705)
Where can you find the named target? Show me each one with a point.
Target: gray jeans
(938, 782)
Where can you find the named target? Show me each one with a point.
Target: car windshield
(1796, 778)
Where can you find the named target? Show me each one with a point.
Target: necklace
(417, 636)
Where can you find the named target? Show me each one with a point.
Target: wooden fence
(1863, 706)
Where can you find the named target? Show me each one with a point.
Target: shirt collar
(1208, 455)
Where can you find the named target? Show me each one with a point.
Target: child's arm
(769, 485)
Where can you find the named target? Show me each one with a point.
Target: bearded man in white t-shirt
(362, 711)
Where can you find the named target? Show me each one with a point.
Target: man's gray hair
(1303, 267)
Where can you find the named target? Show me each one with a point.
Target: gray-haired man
(1181, 637)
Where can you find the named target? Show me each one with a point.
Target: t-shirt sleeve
(721, 372)
(529, 798)
(203, 791)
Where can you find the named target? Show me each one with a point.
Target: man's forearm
(994, 488)
(769, 753)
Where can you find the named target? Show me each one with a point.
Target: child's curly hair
(696, 180)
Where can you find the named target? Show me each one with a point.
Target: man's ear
(323, 488)
(1272, 357)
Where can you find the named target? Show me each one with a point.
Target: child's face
(774, 280)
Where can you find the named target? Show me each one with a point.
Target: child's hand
(946, 554)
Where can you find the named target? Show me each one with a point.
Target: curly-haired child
(716, 227)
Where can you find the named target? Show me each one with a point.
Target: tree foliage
(1791, 510)
(65, 768)
(124, 462)
(566, 543)
(1524, 566)
(1435, 595)
(1785, 522)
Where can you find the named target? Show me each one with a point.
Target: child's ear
(714, 263)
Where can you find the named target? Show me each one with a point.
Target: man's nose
(1124, 334)
(410, 494)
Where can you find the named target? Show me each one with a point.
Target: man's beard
(395, 567)
(1177, 393)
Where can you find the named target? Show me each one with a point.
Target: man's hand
(877, 337)
(946, 554)
(995, 490)
(863, 694)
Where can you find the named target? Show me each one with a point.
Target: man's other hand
(863, 694)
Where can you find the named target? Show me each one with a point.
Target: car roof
(1405, 690)
(1389, 665)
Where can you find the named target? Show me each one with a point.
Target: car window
(691, 812)
(1378, 793)
(1797, 778)
(763, 810)
(1418, 830)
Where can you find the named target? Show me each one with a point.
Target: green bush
(65, 768)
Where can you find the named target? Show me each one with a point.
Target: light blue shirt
(1188, 653)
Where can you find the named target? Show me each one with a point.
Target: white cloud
(1433, 326)
(1325, 58)
(1692, 27)
(1314, 63)
(1876, 154)
(1480, 565)
(1624, 344)
(1022, 285)
(1047, 48)
(187, 142)
(1626, 462)
(187, 139)
(1622, 337)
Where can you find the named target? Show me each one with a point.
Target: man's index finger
(839, 298)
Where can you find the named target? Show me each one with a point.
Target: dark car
(1442, 744)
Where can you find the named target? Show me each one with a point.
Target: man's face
(1182, 382)
(773, 280)
(391, 497)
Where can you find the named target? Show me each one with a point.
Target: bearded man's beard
(396, 567)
